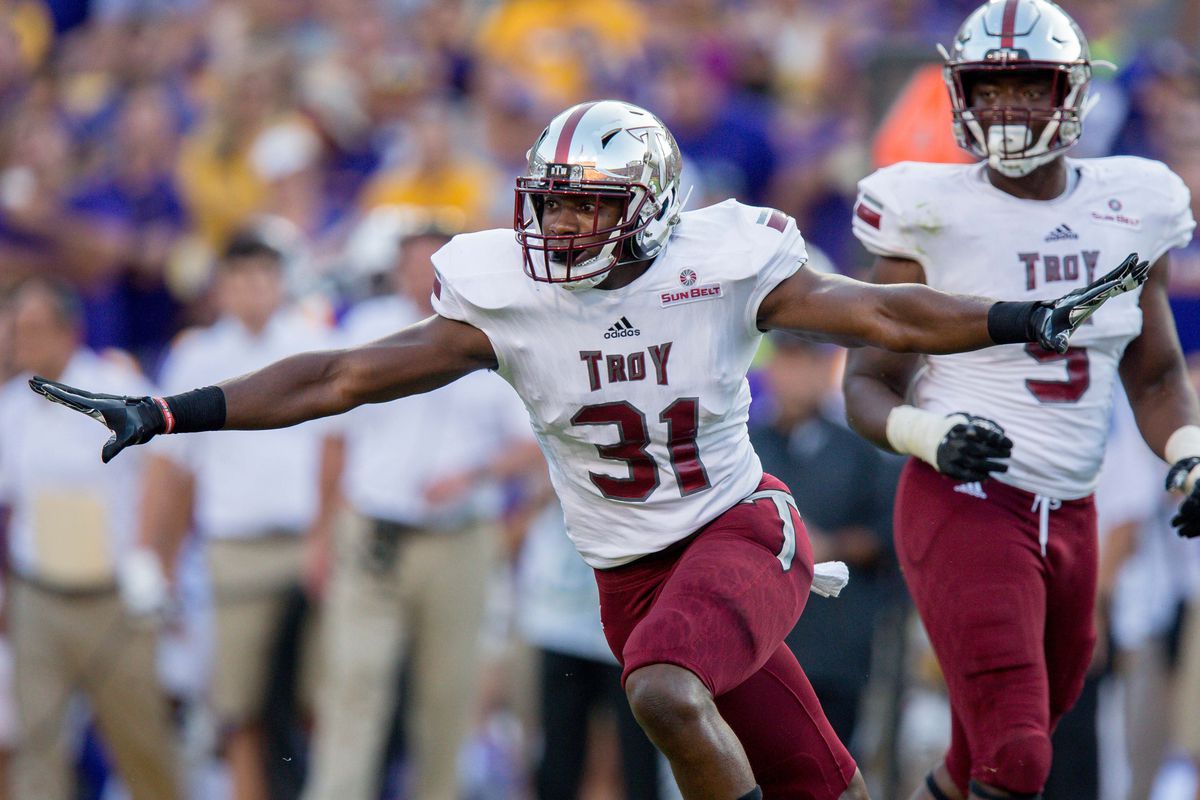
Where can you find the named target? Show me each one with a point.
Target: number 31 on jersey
(682, 418)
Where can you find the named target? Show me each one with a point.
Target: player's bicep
(1155, 352)
(1152, 368)
(832, 308)
(892, 372)
(875, 381)
(815, 306)
(898, 367)
(889, 269)
(419, 358)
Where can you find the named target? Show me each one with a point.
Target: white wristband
(918, 433)
(1185, 443)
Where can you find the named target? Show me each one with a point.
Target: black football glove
(970, 451)
(1055, 320)
(1187, 518)
(132, 420)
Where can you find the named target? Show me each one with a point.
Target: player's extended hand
(1054, 321)
(1187, 518)
(972, 449)
(132, 420)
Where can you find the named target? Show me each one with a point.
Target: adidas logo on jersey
(1060, 233)
(621, 329)
(974, 489)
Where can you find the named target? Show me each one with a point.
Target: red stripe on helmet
(563, 149)
(1008, 24)
(777, 220)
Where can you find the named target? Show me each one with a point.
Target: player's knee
(666, 699)
(1021, 764)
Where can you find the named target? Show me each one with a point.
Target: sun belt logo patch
(621, 329)
(690, 294)
(688, 277)
(1115, 217)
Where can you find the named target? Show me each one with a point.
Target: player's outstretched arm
(911, 318)
(1164, 403)
(423, 356)
(961, 445)
(417, 359)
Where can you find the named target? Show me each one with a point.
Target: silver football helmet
(1034, 36)
(602, 149)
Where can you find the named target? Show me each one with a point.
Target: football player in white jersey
(1003, 571)
(627, 326)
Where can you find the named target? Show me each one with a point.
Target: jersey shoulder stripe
(773, 218)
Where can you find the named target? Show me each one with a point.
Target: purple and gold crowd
(385, 605)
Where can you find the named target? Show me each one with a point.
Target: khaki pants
(1147, 696)
(66, 642)
(428, 594)
(1187, 681)
(251, 579)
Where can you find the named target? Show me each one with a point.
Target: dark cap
(249, 242)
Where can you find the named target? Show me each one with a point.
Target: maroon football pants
(1012, 627)
(719, 604)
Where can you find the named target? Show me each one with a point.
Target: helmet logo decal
(642, 133)
(687, 277)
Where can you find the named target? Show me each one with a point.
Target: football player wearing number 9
(1003, 571)
(627, 326)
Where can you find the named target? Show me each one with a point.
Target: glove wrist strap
(194, 411)
(167, 414)
(1011, 322)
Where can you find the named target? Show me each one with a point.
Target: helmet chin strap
(593, 263)
(1020, 167)
(585, 283)
(1004, 139)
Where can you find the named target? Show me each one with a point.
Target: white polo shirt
(395, 450)
(248, 483)
(558, 603)
(73, 517)
(1161, 571)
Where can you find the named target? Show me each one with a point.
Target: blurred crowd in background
(155, 154)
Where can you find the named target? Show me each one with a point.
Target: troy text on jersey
(1058, 267)
(632, 367)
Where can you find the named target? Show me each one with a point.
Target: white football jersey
(972, 238)
(638, 395)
